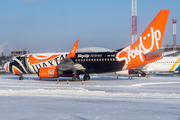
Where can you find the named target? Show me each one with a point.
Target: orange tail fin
(150, 40)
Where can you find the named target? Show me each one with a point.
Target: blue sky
(53, 25)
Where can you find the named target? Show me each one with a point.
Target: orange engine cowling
(48, 72)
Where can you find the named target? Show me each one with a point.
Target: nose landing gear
(21, 77)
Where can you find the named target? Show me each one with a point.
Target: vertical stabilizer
(150, 40)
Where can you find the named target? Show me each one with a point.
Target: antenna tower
(134, 21)
(174, 31)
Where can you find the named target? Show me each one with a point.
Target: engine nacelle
(48, 72)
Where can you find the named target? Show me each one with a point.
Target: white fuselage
(166, 64)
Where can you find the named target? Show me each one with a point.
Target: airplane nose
(6, 66)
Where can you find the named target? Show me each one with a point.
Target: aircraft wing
(68, 63)
(170, 53)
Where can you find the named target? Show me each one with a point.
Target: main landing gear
(76, 78)
(141, 74)
(86, 77)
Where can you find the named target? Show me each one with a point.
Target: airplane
(145, 50)
(166, 64)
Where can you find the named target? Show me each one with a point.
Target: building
(4, 59)
(18, 52)
(168, 48)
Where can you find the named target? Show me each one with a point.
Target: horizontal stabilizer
(170, 53)
(153, 55)
(157, 53)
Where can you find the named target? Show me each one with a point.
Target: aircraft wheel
(21, 78)
(76, 78)
(143, 74)
(86, 77)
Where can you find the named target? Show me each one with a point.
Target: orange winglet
(73, 50)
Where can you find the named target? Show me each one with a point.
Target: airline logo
(38, 61)
(35, 59)
(51, 72)
(73, 50)
(142, 47)
(174, 65)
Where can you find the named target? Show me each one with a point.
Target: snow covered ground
(104, 97)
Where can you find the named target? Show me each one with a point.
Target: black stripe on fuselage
(99, 62)
(16, 64)
(26, 59)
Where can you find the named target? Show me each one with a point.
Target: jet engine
(49, 72)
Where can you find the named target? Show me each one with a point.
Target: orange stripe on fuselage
(41, 56)
(7, 67)
(33, 60)
(16, 71)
